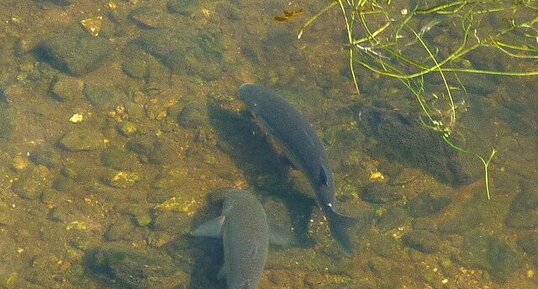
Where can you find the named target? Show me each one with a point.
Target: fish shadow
(205, 255)
(265, 171)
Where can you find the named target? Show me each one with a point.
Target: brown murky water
(119, 122)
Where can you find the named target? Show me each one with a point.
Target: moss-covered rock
(75, 52)
(83, 140)
(490, 254)
(185, 52)
(132, 269)
(422, 240)
(33, 182)
(65, 88)
(104, 97)
(193, 116)
(119, 159)
(405, 140)
(46, 156)
(379, 193)
(523, 211)
(6, 121)
(427, 204)
(183, 7)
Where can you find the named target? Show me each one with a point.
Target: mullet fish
(304, 149)
(245, 236)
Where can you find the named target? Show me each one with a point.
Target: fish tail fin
(341, 226)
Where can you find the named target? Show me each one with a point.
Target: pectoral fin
(211, 228)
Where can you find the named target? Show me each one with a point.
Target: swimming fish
(304, 149)
(245, 233)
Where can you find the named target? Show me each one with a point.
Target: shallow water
(117, 134)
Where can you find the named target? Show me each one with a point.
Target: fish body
(304, 149)
(245, 233)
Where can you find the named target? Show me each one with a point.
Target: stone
(183, 51)
(6, 121)
(392, 218)
(427, 204)
(149, 17)
(127, 128)
(104, 97)
(76, 53)
(32, 183)
(119, 159)
(119, 230)
(83, 139)
(183, 7)
(386, 246)
(379, 193)
(422, 240)
(490, 254)
(407, 141)
(130, 269)
(65, 88)
(529, 243)
(122, 179)
(48, 157)
(142, 145)
(193, 116)
(523, 211)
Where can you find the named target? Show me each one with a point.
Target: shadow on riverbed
(266, 172)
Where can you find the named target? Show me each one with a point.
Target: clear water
(105, 167)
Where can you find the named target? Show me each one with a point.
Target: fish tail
(341, 227)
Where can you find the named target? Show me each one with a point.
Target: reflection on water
(118, 119)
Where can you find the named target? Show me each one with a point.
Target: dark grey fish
(245, 234)
(304, 149)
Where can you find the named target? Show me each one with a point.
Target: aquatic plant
(408, 44)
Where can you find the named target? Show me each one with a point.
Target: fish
(304, 149)
(244, 230)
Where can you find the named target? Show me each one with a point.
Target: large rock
(490, 254)
(76, 53)
(83, 140)
(182, 51)
(524, 208)
(405, 139)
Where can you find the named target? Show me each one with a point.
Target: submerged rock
(529, 243)
(524, 208)
(193, 116)
(66, 88)
(183, 7)
(48, 157)
(83, 140)
(404, 138)
(149, 17)
(490, 254)
(379, 193)
(6, 121)
(119, 159)
(103, 97)
(33, 182)
(427, 204)
(132, 269)
(422, 240)
(185, 52)
(76, 53)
